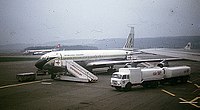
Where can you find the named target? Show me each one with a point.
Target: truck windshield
(125, 77)
(117, 76)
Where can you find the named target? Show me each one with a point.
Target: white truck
(149, 77)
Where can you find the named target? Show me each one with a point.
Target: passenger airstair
(77, 72)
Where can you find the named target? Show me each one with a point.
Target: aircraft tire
(111, 71)
(53, 76)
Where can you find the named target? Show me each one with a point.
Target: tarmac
(45, 93)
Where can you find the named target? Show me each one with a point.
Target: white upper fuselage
(88, 56)
(42, 50)
(82, 55)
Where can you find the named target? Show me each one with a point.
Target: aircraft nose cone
(40, 63)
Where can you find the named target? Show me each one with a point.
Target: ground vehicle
(149, 77)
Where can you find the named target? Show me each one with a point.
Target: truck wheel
(173, 81)
(154, 84)
(128, 87)
(145, 84)
(162, 82)
(118, 88)
(184, 79)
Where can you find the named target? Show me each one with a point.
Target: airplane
(41, 51)
(188, 46)
(89, 58)
(184, 53)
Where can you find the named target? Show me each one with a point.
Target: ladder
(80, 74)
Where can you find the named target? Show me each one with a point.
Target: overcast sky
(37, 21)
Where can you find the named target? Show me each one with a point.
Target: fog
(39, 21)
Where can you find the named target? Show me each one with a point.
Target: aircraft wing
(107, 63)
(184, 54)
(110, 63)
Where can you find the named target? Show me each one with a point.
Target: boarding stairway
(77, 72)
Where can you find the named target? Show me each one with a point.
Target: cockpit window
(47, 58)
(43, 58)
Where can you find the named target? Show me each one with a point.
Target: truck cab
(125, 78)
(119, 80)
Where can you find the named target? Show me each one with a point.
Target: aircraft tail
(58, 46)
(130, 40)
(188, 46)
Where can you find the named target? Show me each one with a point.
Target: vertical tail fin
(130, 40)
(188, 46)
(58, 46)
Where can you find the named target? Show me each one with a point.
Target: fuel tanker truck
(149, 77)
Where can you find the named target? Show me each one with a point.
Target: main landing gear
(111, 69)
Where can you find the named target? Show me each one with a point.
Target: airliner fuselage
(84, 55)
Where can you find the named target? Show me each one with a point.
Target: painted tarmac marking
(189, 82)
(46, 83)
(168, 92)
(21, 84)
(196, 79)
(197, 86)
(192, 102)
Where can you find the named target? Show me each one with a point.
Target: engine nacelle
(163, 63)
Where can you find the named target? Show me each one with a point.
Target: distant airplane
(41, 51)
(188, 46)
(185, 53)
